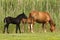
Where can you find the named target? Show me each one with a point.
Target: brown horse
(27, 21)
(40, 17)
(23, 21)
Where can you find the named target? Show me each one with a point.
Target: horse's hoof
(8, 32)
(16, 32)
(19, 32)
(45, 31)
(3, 31)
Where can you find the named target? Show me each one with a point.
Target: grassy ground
(31, 36)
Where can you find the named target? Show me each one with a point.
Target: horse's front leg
(31, 28)
(22, 27)
(44, 27)
(18, 28)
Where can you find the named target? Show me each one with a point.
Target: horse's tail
(5, 20)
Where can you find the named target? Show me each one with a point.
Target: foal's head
(24, 16)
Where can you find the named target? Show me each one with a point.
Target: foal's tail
(5, 20)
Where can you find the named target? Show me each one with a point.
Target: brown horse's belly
(40, 21)
(43, 20)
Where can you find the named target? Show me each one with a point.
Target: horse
(41, 17)
(10, 20)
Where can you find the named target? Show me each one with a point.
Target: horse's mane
(19, 15)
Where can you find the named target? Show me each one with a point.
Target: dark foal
(11, 20)
(41, 17)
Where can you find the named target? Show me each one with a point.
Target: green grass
(31, 36)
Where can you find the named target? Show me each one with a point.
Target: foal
(11, 20)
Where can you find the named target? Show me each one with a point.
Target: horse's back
(44, 15)
(40, 16)
(8, 19)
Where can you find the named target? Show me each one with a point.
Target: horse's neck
(51, 22)
(19, 17)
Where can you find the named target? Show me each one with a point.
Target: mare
(40, 17)
(11, 20)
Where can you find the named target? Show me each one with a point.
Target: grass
(31, 36)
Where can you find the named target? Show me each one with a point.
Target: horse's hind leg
(6, 27)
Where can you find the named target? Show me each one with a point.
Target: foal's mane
(20, 15)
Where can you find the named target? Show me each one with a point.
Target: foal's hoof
(8, 32)
(19, 32)
(16, 32)
(3, 32)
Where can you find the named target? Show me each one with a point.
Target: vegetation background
(15, 7)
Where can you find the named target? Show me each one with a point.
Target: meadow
(15, 7)
(31, 36)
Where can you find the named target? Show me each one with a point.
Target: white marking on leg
(45, 30)
(32, 28)
(23, 29)
(28, 28)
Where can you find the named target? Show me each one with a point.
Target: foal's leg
(43, 27)
(30, 28)
(18, 27)
(6, 27)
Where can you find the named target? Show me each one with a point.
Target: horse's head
(24, 16)
(52, 28)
